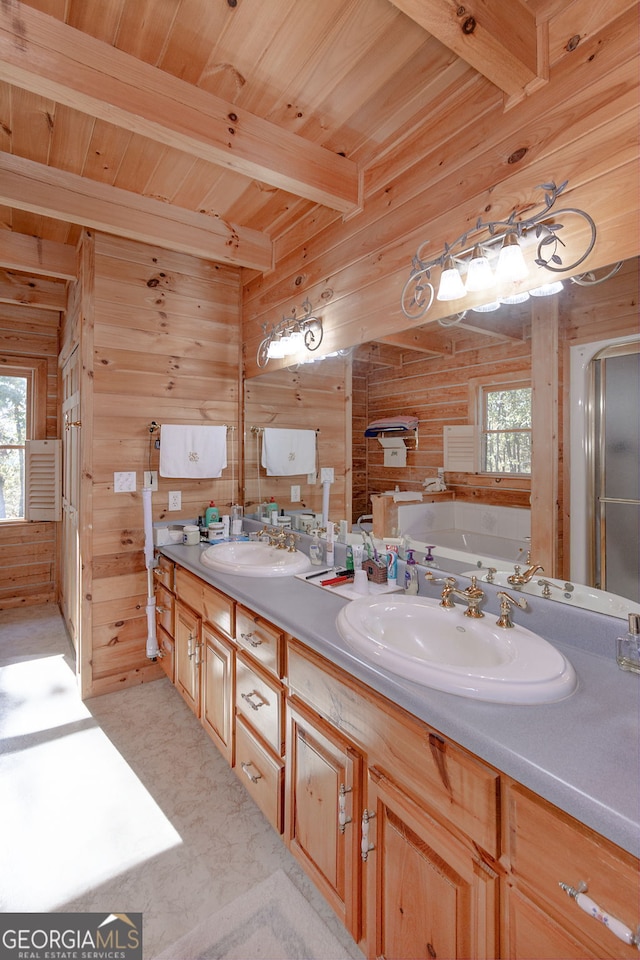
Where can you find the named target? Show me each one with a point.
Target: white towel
(288, 453)
(196, 452)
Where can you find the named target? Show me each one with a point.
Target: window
(22, 383)
(506, 428)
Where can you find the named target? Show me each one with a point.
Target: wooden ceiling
(215, 126)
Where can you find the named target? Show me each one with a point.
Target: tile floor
(120, 803)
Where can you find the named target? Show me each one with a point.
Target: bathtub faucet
(517, 578)
(473, 596)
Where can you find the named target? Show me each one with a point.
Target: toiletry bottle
(349, 561)
(330, 553)
(272, 511)
(410, 574)
(236, 519)
(315, 550)
(628, 646)
(211, 514)
(392, 565)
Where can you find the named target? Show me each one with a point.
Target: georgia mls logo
(71, 936)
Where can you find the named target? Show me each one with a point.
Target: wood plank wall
(313, 397)
(28, 551)
(166, 347)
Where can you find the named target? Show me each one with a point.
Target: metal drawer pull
(343, 819)
(161, 610)
(365, 846)
(619, 929)
(245, 769)
(248, 638)
(247, 697)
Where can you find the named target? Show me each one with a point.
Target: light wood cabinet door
(188, 651)
(429, 895)
(218, 691)
(322, 809)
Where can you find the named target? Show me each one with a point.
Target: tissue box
(376, 570)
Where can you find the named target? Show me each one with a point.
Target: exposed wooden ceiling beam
(45, 56)
(432, 341)
(44, 258)
(49, 192)
(500, 40)
(27, 291)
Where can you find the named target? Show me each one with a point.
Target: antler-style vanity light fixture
(291, 335)
(490, 254)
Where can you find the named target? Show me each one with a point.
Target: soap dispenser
(315, 550)
(628, 646)
(410, 574)
(211, 514)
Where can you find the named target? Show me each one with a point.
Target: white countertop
(582, 754)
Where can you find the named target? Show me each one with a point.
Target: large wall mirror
(435, 372)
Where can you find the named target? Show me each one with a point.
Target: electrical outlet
(312, 478)
(175, 500)
(295, 493)
(151, 479)
(124, 482)
(326, 474)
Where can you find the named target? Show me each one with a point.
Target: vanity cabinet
(164, 574)
(546, 848)
(324, 800)
(188, 654)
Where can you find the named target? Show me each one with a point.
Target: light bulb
(511, 263)
(275, 350)
(451, 285)
(293, 343)
(479, 273)
(547, 289)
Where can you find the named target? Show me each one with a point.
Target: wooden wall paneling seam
(85, 511)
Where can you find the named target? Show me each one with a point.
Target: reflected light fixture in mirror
(292, 335)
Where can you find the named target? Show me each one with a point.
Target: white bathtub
(471, 532)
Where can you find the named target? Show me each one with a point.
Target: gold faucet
(507, 601)
(517, 578)
(473, 596)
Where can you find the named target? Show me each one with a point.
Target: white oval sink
(418, 639)
(254, 559)
(588, 598)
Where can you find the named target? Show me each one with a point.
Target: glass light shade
(479, 273)
(516, 298)
(511, 263)
(275, 350)
(487, 307)
(293, 342)
(547, 289)
(451, 285)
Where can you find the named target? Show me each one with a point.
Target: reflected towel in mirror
(287, 453)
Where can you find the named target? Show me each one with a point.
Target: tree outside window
(506, 429)
(14, 418)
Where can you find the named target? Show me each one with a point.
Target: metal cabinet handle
(343, 819)
(161, 610)
(365, 846)
(247, 697)
(198, 659)
(617, 927)
(248, 638)
(190, 650)
(245, 769)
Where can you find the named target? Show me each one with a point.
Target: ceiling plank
(47, 57)
(31, 186)
(500, 40)
(44, 258)
(423, 340)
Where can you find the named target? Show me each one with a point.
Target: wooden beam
(44, 258)
(41, 54)
(431, 341)
(28, 291)
(500, 40)
(545, 420)
(54, 193)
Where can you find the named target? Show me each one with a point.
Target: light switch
(124, 482)
(295, 493)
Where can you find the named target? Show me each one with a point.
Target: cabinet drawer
(165, 645)
(547, 847)
(260, 700)
(453, 784)
(213, 606)
(260, 639)
(164, 608)
(261, 773)
(165, 572)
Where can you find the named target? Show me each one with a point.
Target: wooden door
(218, 691)
(323, 798)
(188, 648)
(428, 893)
(70, 567)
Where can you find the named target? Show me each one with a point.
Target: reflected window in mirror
(505, 428)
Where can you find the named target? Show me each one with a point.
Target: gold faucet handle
(474, 592)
